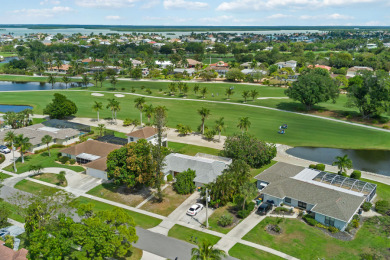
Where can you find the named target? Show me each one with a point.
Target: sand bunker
(119, 95)
(97, 94)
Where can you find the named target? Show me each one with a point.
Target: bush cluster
(320, 167)
(185, 182)
(356, 174)
(310, 220)
(248, 209)
(366, 206)
(64, 159)
(2, 158)
(169, 178)
(225, 220)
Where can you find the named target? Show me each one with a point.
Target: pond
(12, 108)
(375, 161)
(23, 86)
(8, 59)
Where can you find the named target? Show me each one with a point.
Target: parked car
(264, 208)
(194, 209)
(4, 149)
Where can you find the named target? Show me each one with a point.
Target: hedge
(2, 158)
(356, 174)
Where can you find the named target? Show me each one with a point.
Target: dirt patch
(274, 230)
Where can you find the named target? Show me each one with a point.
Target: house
(331, 199)
(248, 65)
(163, 64)
(93, 155)
(63, 136)
(320, 66)
(64, 68)
(352, 72)
(207, 167)
(253, 71)
(9, 254)
(190, 72)
(371, 46)
(89, 60)
(135, 62)
(288, 64)
(193, 63)
(148, 133)
(220, 67)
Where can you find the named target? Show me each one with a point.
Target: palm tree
(245, 95)
(149, 110)
(343, 163)
(26, 116)
(139, 104)
(101, 128)
(196, 88)
(101, 79)
(58, 64)
(23, 143)
(113, 81)
(116, 108)
(172, 88)
(206, 251)
(244, 123)
(97, 107)
(51, 80)
(111, 105)
(204, 113)
(47, 139)
(229, 92)
(11, 138)
(95, 77)
(220, 126)
(185, 89)
(253, 93)
(85, 79)
(66, 80)
(203, 91)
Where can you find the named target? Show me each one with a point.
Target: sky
(199, 12)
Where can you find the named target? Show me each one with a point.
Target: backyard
(265, 123)
(43, 159)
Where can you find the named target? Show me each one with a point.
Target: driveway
(9, 159)
(80, 183)
(199, 219)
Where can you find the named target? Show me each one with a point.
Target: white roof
(87, 156)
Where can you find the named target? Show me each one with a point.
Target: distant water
(23, 86)
(375, 161)
(8, 59)
(12, 108)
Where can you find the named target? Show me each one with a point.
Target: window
(302, 204)
(131, 139)
(287, 200)
(329, 221)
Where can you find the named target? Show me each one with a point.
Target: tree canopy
(60, 107)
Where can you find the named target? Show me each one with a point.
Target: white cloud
(150, 4)
(106, 3)
(53, 2)
(113, 17)
(167, 18)
(43, 13)
(257, 5)
(182, 4)
(217, 19)
(278, 16)
(326, 17)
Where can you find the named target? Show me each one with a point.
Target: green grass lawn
(192, 150)
(49, 178)
(213, 220)
(35, 188)
(244, 252)
(15, 212)
(4, 176)
(302, 130)
(42, 159)
(19, 78)
(118, 193)
(306, 242)
(382, 190)
(184, 233)
(141, 220)
(7, 54)
(38, 120)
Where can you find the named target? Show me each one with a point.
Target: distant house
(135, 62)
(89, 60)
(352, 72)
(320, 66)
(148, 133)
(163, 64)
(64, 136)
(192, 63)
(248, 65)
(371, 46)
(190, 71)
(63, 69)
(288, 64)
(207, 167)
(220, 67)
(9, 254)
(331, 199)
(253, 71)
(93, 155)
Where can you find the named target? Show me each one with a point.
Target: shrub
(243, 213)
(225, 220)
(5, 212)
(320, 167)
(385, 127)
(170, 178)
(185, 182)
(2, 158)
(64, 159)
(281, 210)
(355, 223)
(375, 121)
(142, 87)
(366, 206)
(356, 174)
(382, 206)
(127, 122)
(312, 166)
(61, 177)
(148, 91)
(310, 220)
(275, 228)
(72, 161)
(250, 206)
(122, 89)
(209, 135)
(333, 229)
(9, 241)
(321, 226)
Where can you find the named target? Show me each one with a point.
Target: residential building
(331, 199)
(9, 254)
(148, 133)
(207, 167)
(190, 71)
(63, 69)
(253, 71)
(63, 136)
(352, 72)
(93, 155)
(248, 65)
(163, 64)
(220, 67)
(320, 66)
(192, 63)
(371, 46)
(288, 64)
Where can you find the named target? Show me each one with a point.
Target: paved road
(165, 246)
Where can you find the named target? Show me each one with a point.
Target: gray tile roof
(207, 170)
(327, 201)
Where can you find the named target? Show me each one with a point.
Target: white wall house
(148, 133)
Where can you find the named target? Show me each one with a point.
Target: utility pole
(207, 206)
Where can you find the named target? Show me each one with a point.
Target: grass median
(191, 235)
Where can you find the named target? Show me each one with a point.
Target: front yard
(306, 242)
(244, 252)
(35, 188)
(191, 235)
(223, 211)
(120, 194)
(42, 159)
(172, 200)
(190, 149)
(141, 220)
(49, 178)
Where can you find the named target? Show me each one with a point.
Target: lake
(23, 86)
(12, 108)
(8, 59)
(375, 161)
